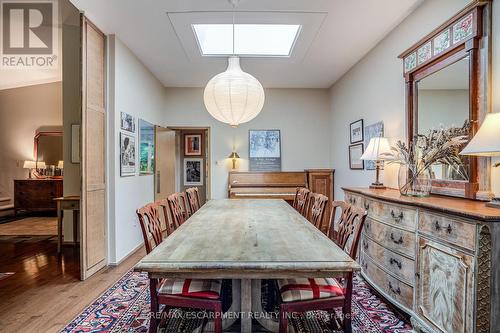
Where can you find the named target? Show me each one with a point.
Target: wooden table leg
(60, 215)
(75, 226)
(246, 306)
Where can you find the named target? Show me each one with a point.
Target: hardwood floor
(30, 226)
(45, 292)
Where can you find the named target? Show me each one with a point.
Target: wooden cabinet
(432, 258)
(37, 194)
(321, 181)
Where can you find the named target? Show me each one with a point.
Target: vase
(414, 182)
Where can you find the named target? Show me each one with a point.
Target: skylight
(270, 40)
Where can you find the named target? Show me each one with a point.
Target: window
(268, 40)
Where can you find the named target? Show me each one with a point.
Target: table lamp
(60, 165)
(378, 150)
(29, 165)
(234, 155)
(486, 142)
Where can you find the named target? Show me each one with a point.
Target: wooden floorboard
(45, 292)
(30, 226)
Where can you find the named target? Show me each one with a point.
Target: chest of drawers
(37, 194)
(434, 258)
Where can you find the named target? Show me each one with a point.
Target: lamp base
(494, 203)
(379, 186)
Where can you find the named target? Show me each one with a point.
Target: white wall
(134, 90)
(302, 115)
(374, 89)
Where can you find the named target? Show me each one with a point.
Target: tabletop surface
(253, 238)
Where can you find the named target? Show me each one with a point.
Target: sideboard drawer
(449, 229)
(397, 290)
(354, 199)
(393, 214)
(391, 238)
(400, 266)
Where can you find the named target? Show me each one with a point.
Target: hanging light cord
(233, 3)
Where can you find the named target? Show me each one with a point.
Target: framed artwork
(127, 155)
(373, 131)
(264, 150)
(193, 172)
(192, 144)
(75, 143)
(355, 161)
(127, 122)
(146, 148)
(356, 131)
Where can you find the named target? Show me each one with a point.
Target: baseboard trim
(137, 248)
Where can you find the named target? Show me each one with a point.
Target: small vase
(413, 182)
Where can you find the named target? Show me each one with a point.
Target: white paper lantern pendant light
(234, 97)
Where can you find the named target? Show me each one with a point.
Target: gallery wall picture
(193, 171)
(192, 145)
(264, 150)
(146, 147)
(355, 161)
(127, 122)
(127, 155)
(373, 131)
(356, 131)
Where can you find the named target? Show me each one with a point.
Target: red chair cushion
(293, 290)
(209, 289)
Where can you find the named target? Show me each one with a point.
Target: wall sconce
(30, 165)
(234, 156)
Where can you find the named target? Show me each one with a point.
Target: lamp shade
(486, 142)
(234, 155)
(29, 165)
(378, 150)
(40, 165)
(60, 164)
(234, 97)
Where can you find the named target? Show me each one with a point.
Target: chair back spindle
(301, 199)
(176, 209)
(193, 197)
(149, 218)
(346, 232)
(317, 206)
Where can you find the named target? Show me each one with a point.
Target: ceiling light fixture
(234, 97)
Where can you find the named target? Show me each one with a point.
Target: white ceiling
(336, 35)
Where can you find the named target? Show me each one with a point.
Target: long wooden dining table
(247, 240)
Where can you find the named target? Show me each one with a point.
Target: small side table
(67, 203)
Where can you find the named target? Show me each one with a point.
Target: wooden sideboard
(435, 258)
(37, 195)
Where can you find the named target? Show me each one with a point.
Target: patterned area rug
(125, 308)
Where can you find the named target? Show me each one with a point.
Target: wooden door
(165, 175)
(445, 287)
(93, 140)
(321, 181)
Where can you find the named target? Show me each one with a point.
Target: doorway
(182, 161)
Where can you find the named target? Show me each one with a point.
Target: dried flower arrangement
(441, 146)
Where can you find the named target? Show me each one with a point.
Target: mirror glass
(49, 149)
(443, 102)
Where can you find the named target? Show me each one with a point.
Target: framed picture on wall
(146, 147)
(264, 150)
(127, 122)
(193, 172)
(127, 155)
(192, 144)
(355, 161)
(356, 131)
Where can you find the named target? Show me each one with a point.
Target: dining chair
(184, 205)
(193, 197)
(179, 293)
(316, 209)
(302, 295)
(165, 219)
(300, 200)
(176, 209)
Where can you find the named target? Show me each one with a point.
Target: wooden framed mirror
(447, 75)
(48, 147)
